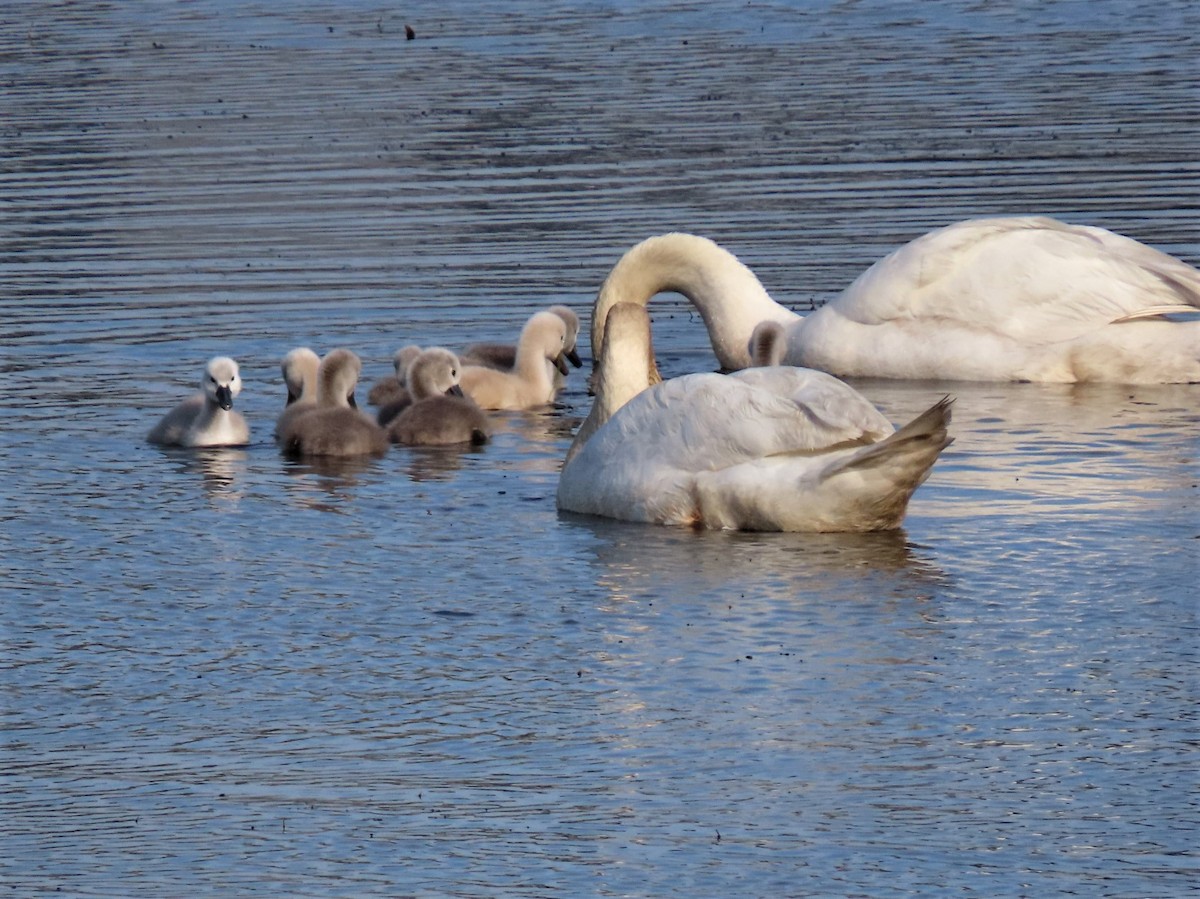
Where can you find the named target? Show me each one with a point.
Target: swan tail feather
(888, 472)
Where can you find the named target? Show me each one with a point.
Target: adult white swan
(1006, 299)
(768, 449)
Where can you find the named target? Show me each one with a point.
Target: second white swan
(768, 449)
(1006, 299)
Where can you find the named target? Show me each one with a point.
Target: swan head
(435, 372)
(403, 358)
(545, 334)
(768, 344)
(299, 369)
(221, 381)
(337, 378)
(571, 320)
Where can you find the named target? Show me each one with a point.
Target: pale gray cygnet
(206, 418)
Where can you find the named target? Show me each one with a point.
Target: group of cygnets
(435, 398)
(779, 443)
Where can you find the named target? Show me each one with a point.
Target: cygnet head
(403, 358)
(434, 372)
(571, 320)
(545, 335)
(337, 378)
(768, 344)
(221, 381)
(299, 368)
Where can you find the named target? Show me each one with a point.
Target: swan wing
(705, 422)
(643, 463)
(1035, 280)
(845, 414)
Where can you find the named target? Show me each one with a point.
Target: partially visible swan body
(299, 369)
(769, 449)
(529, 384)
(206, 418)
(389, 394)
(439, 415)
(503, 356)
(1006, 299)
(334, 426)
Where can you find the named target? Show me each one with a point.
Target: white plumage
(1007, 299)
(783, 449)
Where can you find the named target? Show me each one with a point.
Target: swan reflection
(322, 482)
(436, 463)
(648, 560)
(221, 469)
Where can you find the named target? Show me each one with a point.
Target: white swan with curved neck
(767, 449)
(1006, 299)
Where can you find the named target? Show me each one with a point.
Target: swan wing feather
(1034, 279)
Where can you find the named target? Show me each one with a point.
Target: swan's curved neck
(727, 294)
(624, 369)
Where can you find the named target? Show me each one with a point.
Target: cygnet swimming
(206, 418)
(334, 426)
(503, 356)
(529, 384)
(439, 414)
(299, 369)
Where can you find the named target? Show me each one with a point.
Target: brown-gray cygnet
(334, 426)
(440, 414)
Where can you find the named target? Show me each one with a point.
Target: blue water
(225, 673)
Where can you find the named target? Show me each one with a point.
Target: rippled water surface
(225, 673)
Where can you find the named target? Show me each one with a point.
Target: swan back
(1012, 299)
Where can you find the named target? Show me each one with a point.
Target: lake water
(225, 673)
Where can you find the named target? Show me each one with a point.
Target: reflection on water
(232, 673)
(436, 462)
(1061, 450)
(221, 469)
(664, 561)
